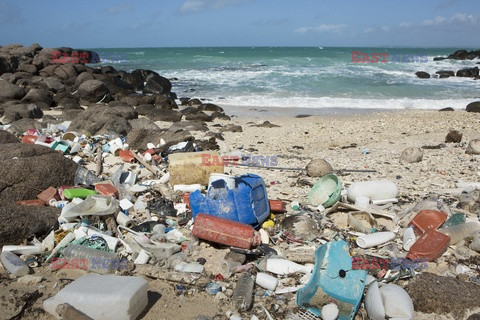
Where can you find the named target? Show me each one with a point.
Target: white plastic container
(475, 245)
(93, 205)
(388, 300)
(375, 190)
(107, 297)
(266, 281)
(124, 220)
(362, 202)
(14, 264)
(23, 249)
(374, 239)
(284, 267)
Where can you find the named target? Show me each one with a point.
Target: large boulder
(100, 120)
(143, 123)
(445, 73)
(82, 77)
(20, 126)
(422, 74)
(210, 107)
(66, 71)
(7, 137)
(26, 170)
(468, 72)
(198, 116)
(18, 223)
(54, 84)
(9, 91)
(22, 111)
(157, 84)
(39, 95)
(30, 68)
(93, 91)
(473, 107)
(165, 115)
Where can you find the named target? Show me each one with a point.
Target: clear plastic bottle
(243, 293)
(461, 231)
(14, 264)
(91, 259)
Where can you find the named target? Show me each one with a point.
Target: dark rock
(113, 104)
(136, 100)
(468, 72)
(108, 70)
(217, 135)
(69, 103)
(115, 84)
(66, 71)
(266, 124)
(189, 110)
(231, 128)
(453, 136)
(48, 71)
(156, 84)
(303, 116)
(447, 109)
(39, 95)
(21, 111)
(26, 170)
(127, 112)
(473, 147)
(9, 91)
(190, 126)
(199, 116)
(422, 74)
(445, 73)
(459, 55)
(165, 102)
(431, 293)
(194, 102)
(7, 137)
(54, 84)
(82, 77)
(70, 114)
(473, 107)
(220, 115)
(137, 78)
(30, 68)
(209, 144)
(5, 67)
(165, 115)
(100, 120)
(143, 123)
(145, 109)
(22, 125)
(18, 223)
(184, 101)
(93, 91)
(210, 107)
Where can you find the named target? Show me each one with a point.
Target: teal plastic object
(333, 280)
(326, 191)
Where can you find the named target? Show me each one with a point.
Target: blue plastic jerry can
(333, 280)
(242, 199)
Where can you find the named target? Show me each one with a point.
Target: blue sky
(190, 23)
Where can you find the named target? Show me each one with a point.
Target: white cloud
(457, 19)
(322, 28)
(123, 7)
(368, 30)
(199, 5)
(405, 25)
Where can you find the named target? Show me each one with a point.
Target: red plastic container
(224, 231)
(186, 199)
(276, 206)
(126, 156)
(430, 246)
(30, 139)
(427, 220)
(106, 189)
(48, 194)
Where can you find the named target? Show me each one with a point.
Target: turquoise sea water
(312, 77)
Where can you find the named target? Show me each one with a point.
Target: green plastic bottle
(77, 193)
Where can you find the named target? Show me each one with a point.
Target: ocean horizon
(306, 77)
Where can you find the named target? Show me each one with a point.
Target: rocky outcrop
(422, 74)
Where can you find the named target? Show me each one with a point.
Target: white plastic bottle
(375, 190)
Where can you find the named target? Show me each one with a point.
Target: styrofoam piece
(192, 267)
(266, 281)
(107, 297)
(150, 145)
(142, 258)
(124, 220)
(165, 178)
(362, 202)
(374, 303)
(265, 236)
(374, 239)
(125, 204)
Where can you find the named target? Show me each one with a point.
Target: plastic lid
(428, 219)
(430, 246)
